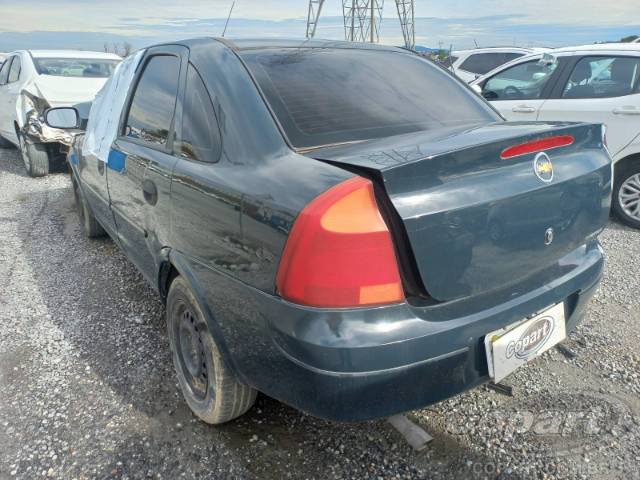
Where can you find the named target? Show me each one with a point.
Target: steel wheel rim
(629, 196)
(192, 353)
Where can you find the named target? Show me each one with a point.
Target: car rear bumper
(351, 365)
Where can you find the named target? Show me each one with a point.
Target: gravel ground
(87, 388)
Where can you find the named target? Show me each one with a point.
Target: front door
(518, 91)
(93, 182)
(5, 107)
(146, 139)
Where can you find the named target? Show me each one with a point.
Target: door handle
(523, 109)
(627, 110)
(150, 192)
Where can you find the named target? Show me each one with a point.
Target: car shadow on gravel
(115, 323)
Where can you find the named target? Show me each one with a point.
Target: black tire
(5, 143)
(624, 173)
(35, 158)
(210, 389)
(90, 226)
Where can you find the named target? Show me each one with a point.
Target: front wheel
(90, 225)
(626, 193)
(209, 387)
(5, 143)
(35, 158)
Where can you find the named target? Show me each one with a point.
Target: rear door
(519, 91)
(140, 162)
(205, 210)
(600, 89)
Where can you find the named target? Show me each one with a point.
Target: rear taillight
(536, 146)
(339, 252)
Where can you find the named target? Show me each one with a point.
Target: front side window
(153, 104)
(323, 96)
(603, 77)
(524, 81)
(14, 72)
(200, 133)
(75, 67)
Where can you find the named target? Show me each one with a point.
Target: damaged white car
(31, 81)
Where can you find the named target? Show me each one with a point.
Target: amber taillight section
(340, 253)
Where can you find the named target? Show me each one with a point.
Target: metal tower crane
(315, 7)
(406, 14)
(363, 18)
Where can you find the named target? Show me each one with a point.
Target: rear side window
(200, 133)
(481, 63)
(4, 73)
(153, 104)
(603, 77)
(524, 81)
(324, 96)
(14, 72)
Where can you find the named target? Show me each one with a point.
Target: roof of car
(600, 47)
(273, 43)
(73, 54)
(500, 49)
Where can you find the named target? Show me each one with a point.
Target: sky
(89, 24)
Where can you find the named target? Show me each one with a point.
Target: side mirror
(62, 117)
(477, 88)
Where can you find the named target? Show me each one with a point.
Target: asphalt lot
(87, 388)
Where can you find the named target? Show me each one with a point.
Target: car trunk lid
(476, 222)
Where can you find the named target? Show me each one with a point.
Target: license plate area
(513, 346)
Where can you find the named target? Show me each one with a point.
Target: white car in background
(470, 64)
(31, 81)
(591, 83)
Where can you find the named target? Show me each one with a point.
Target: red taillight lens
(536, 146)
(339, 252)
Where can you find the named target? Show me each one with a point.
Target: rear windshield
(75, 67)
(327, 96)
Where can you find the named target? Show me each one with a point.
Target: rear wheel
(626, 193)
(90, 226)
(35, 158)
(209, 387)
